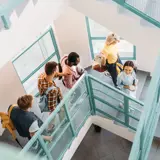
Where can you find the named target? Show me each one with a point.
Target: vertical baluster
(91, 96)
(126, 110)
(69, 118)
(43, 145)
(6, 21)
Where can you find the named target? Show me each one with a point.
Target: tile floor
(102, 146)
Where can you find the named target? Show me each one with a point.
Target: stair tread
(157, 132)
(132, 122)
(142, 77)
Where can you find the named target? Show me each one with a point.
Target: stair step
(141, 76)
(133, 122)
(120, 116)
(157, 132)
(145, 89)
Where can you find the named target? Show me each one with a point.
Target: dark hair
(130, 64)
(60, 70)
(72, 57)
(50, 67)
(25, 102)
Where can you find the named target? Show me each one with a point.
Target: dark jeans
(113, 71)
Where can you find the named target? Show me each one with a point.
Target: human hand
(126, 87)
(49, 139)
(132, 88)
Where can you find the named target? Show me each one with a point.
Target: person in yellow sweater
(113, 62)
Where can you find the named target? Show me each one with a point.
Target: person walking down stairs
(113, 61)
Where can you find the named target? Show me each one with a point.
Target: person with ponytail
(70, 69)
(110, 52)
(71, 73)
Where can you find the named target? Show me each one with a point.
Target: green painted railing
(88, 97)
(144, 9)
(6, 8)
(149, 119)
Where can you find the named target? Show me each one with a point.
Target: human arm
(61, 74)
(34, 128)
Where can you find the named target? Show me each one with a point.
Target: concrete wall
(25, 28)
(71, 35)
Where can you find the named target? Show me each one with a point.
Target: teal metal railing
(88, 97)
(6, 8)
(149, 119)
(147, 9)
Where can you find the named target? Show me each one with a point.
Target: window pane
(46, 45)
(125, 48)
(98, 34)
(34, 56)
(31, 84)
(97, 30)
(28, 61)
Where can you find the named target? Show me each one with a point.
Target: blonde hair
(112, 38)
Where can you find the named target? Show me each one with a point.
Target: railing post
(43, 145)
(69, 118)
(90, 93)
(126, 110)
(121, 2)
(141, 143)
(6, 21)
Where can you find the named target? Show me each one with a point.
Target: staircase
(10, 8)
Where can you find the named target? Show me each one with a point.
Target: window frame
(90, 38)
(55, 53)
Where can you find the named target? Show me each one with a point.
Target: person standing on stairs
(72, 72)
(127, 80)
(113, 61)
(26, 122)
(54, 96)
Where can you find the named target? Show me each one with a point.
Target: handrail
(85, 80)
(138, 12)
(116, 90)
(149, 119)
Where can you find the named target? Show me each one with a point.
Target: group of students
(123, 76)
(25, 121)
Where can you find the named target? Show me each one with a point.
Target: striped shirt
(53, 95)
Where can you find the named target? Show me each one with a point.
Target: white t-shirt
(34, 127)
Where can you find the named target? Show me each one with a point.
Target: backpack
(43, 101)
(7, 122)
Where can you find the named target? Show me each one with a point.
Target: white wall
(28, 26)
(71, 35)
(146, 39)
